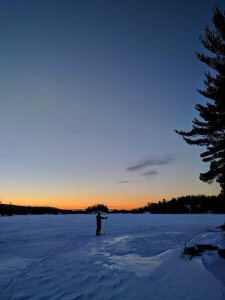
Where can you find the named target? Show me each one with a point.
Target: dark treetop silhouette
(97, 207)
(99, 223)
(209, 131)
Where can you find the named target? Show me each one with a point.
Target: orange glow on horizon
(81, 201)
(113, 202)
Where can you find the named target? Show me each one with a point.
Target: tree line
(10, 210)
(186, 204)
(181, 205)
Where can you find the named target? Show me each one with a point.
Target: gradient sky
(91, 92)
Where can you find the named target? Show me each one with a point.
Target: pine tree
(209, 129)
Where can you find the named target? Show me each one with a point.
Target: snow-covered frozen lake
(139, 257)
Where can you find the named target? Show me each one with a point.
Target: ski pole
(105, 226)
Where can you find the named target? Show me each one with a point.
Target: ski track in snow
(59, 257)
(49, 254)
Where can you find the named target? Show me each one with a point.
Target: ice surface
(140, 257)
(210, 237)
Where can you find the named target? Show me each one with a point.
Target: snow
(211, 237)
(139, 257)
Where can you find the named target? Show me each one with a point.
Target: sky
(90, 95)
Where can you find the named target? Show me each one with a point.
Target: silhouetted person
(99, 223)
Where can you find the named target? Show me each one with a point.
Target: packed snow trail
(140, 257)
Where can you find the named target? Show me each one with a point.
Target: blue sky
(91, 88)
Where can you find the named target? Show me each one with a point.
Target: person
(99, 223)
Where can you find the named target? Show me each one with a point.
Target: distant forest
(186, 204)
(181, 205)
(10, 210)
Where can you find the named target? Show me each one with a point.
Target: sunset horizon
(112, 202)
(90, 101)
(112, 157)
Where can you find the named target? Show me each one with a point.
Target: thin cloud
(150, 173)
(124, 181)
(150, 162)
